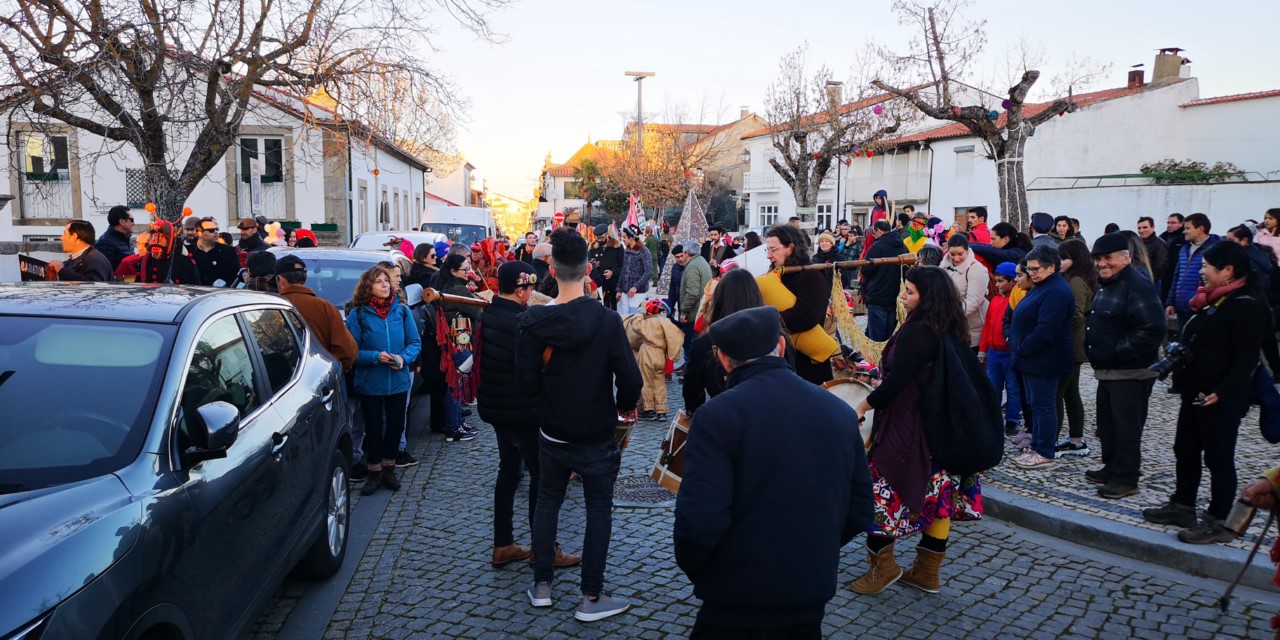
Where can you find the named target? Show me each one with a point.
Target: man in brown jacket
(323, 318)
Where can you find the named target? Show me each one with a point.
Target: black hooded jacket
(588, 350)
(503, 401)
(881, 283)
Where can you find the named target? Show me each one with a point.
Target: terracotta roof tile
(1233, 98)
(588, 151)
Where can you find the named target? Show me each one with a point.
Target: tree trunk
(1011, 180)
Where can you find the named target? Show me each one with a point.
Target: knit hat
(1007, 269)
(442, 249)
(828, 236)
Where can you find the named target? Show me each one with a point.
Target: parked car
(167, 455)
(333, 273)
(377, 240)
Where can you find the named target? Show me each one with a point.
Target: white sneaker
(603, 607)
(540, 594)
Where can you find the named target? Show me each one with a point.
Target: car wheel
(327, 552)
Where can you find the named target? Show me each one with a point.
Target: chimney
(1136, 79)
(1168, 66)
(835, 92)
(744, 112)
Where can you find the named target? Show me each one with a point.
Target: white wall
(1246, 133)
(396, 177)
(453, 186)
(767, 188)
(1226, 204)
(964, 179)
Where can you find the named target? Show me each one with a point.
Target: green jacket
(697, 273)
(651, 243)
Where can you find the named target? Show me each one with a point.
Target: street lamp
(639, 76)
(745, 156)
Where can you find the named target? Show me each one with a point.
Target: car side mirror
(216, 426)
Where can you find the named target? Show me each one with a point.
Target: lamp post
(639, 76)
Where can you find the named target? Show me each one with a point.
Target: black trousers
(704, 631)
(1122, 414)
(517, 450)
(435, 386)
(383, 423)
(1210, 431)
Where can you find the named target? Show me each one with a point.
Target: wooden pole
(906, 259)
(431, 295)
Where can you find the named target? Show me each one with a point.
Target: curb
(1209, 561)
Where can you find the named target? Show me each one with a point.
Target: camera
(1176, 356)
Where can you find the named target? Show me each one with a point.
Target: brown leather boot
(923, 573)
(503, 556)
(882, 571)
(563, 560)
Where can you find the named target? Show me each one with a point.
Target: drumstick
(904, 259)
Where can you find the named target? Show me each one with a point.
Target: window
(220, 370)
(826, 219)
(768, 215)
(47, 158)
(272, 158)
(964, 161)
(278, 344)
(573, 190)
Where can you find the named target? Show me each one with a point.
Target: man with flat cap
(1123, 332)
(748, 485)
(324, 319)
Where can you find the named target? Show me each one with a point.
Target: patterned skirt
(947, 496)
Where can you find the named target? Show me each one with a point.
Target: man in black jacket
(880, 284)
(216, 261)
(741, 493)
(116, 243)
(85, 263)
(1123, 332)
(512, 412)
(567, 354)
(714, 250)
(250, 238)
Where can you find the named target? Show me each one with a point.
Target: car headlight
(32, 630)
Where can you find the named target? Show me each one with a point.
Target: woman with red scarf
(1229, 319)
(388, 343)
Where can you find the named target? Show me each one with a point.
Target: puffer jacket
(1186, 279)
(1125, 323)
(396, 334)
(502, 401)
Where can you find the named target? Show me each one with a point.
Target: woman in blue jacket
(1043, 350)
(388, 340)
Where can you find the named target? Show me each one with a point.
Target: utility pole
(639, 76)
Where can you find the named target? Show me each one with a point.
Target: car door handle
(327, 397)
(278, 441)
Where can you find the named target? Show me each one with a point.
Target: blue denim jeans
(880, 322)
(1000, 372)
(452, 412)
(598, 467)
(1042, 394)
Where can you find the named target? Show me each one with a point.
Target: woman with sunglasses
(454, 278)
(424, 267)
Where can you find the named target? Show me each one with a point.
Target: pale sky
(558, 78)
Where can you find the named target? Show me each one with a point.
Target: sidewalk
(1073, 510)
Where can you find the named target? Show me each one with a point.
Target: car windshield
(78, 396)
(468, 233)
(335, 279)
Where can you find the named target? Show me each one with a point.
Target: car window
(220, 370)
(77, 396)
(278, 344)
(465, 233)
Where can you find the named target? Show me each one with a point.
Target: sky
(557, 78)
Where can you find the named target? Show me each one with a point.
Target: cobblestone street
(425, 572)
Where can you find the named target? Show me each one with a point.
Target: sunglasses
(210, 229)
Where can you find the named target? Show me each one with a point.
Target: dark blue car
(167, 455)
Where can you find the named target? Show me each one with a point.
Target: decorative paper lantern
(151, 207)
(955, 111)
(816, 155)
(186, 211)
(1006, 104)
(993, 114)
(878, 109)
(1062, 113)
(688, 174)
(848, 162)
(870, 153)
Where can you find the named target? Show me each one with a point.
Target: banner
(32, 270)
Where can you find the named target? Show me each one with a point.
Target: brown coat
(325, 322)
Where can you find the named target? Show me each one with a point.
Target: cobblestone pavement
(425, 572)
(1065, 485)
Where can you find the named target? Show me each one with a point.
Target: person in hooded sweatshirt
(567, 354)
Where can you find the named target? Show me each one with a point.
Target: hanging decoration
(878, 109)
(1006, 104)
(955, 111)
(816, 155)
(993, 114)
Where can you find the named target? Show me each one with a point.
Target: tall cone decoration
(691, 232)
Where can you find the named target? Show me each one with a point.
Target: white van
(460, 224)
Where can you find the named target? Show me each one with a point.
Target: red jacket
(992, 327)
(981, 234)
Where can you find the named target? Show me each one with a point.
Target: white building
(320, 175)
(1087, 164)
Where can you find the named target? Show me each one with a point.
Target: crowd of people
(557, 340)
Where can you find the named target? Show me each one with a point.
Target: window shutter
(61, 159)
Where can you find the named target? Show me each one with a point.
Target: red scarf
(381, 306)
(1206, 296)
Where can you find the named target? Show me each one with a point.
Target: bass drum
(853, 392)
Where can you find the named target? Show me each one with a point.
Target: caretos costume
(655, 341)
(161, 263)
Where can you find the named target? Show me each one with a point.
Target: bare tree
(940, 58)
(812, 124)
(174, 79)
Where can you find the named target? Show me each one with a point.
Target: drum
(853, 392)
(622, 431)
(668, 471)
